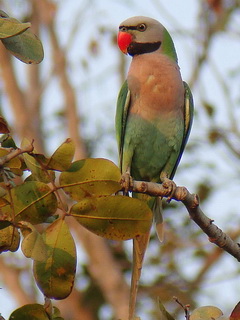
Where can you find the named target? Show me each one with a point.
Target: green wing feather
(123, 104)
(188, 119)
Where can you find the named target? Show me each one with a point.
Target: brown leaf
(235, 315)
(3, 125)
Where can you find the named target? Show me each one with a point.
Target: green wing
(188, 119)
(123, 104)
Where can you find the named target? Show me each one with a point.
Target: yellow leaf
(206, 313)
(33, 245)
(29, 312)
(55, 275)
(33, 201)
(14, 163)
(90, 177)
(38, 173)
(10, 27)
(9, 239)
(113, 217)
(62, 157)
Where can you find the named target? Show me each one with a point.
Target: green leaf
(25, 47)
(113, 217)
(33, 202)
(7, 141)
(38, 173)
(33, 245)
(206, 313)
(29, 312)
(62, 157)
(164, 315)
(90, 177)
(55, 276)
(56, 314)
(10, 27)
(9, 239)
(4, 224)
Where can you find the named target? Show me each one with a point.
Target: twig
(185, 308)
(191, 202)
(16, 152)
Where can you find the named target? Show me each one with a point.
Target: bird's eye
(123, 29)
(141, 27)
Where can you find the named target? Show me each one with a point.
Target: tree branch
(191, 202)
(16, 152)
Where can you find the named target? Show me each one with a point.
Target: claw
(171, 186)
(126, 182)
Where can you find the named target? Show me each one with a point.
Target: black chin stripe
(140, 48)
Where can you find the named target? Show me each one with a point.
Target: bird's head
(138, 35)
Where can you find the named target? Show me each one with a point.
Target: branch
(16, 152)
(191, 202)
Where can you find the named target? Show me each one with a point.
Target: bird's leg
(126, 181)
(168, 184)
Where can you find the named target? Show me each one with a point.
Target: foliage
(89, 188)
(19, 40)
(89, 185)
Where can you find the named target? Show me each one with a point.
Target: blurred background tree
(73, 92)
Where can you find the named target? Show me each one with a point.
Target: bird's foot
(171, 186)
(126, 182)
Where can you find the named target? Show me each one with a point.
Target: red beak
(124, 39)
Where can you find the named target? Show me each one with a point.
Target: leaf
(38, 173)
(3, 192)
(36, 163)
(3, 202)
(56, 314)
(7, 141)
(206, 313)
(33, 245)
(55, 276)
(4, 224)
(3, 123)
(10, 27)
(29, 312)
(9, 239)
(14, 163)
(33, 202)
(164, 315)
(235, 315)
(90, 177)
(62, 157)
(25, 47)
(113, 217)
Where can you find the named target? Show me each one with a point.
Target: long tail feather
(140, 244)
(158, 218)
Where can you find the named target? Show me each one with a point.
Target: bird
(153, 120)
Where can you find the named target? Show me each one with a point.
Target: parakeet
(153, 118)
